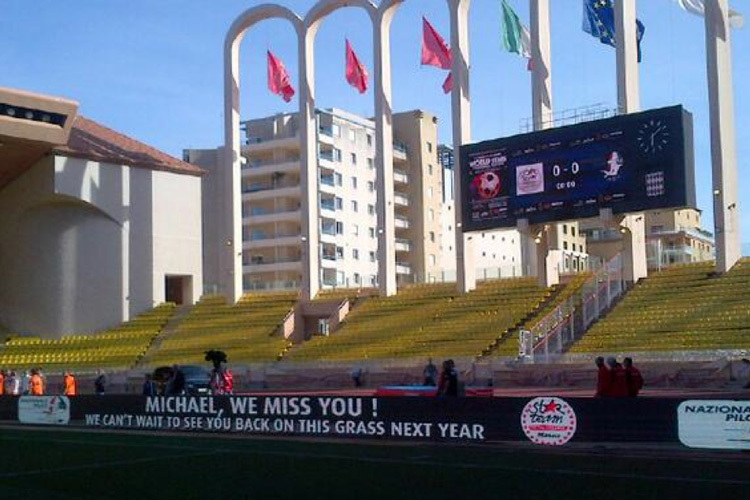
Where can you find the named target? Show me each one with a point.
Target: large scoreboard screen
(629, 163)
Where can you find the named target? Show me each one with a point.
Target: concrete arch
(230, 255)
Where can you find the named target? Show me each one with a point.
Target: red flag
(435, 51)
(356, 73)
(278, 78)
(448, 83)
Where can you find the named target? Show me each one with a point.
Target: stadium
(214, 323)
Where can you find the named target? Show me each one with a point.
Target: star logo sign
(550, 407)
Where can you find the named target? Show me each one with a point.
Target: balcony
(399, 151)
(325, 134)
(403, 245)
(268, 190)
(327, 184)
(401, 222)
(259, 216)
(400, 176)
(401, 199)
(255, 168)
(273, 286)
(281, 141)
(280, 263)
(403, 268)
(269, 241)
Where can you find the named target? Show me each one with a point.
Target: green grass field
(51, 464)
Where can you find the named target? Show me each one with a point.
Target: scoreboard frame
(628, 163)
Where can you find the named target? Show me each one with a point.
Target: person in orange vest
(70, 384)
(36, 386)
(2, 382)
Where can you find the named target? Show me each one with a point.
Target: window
(429, 192)
(429, 147)
(355, 206)
(356, 278)
(370, 164)
(339, 178)
(369, 139)
(372, 256)
(371, 232)
(354, 183)
(336, 130)
(339, 227)
(433, 260)
(336, 154)
(354, 159)
(340, 277)
(484, 254)
(355, 230)
(370, 186)
(574, 247)
(355, 254)
(429, 169)
(339, 252)
(339, 203)
(565, 245)
(352, 135)
(565, 229)
(373, 280)
(573, 230)
(431, 214)
(371, 209)
(432, 236)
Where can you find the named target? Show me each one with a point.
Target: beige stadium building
(96, 227)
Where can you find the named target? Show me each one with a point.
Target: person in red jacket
(618, 387)
(602, 378)
(633, 377)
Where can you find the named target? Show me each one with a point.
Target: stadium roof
(93, 141)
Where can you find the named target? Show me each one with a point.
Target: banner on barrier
(715, 424)
(44, 410)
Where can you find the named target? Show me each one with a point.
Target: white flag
(698, 8)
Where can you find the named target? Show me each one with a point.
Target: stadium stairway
(429, 320)
(507, 346)
(247, 331)
(683, 308)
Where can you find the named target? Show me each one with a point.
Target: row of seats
(426, 320)
(246, 332)
(681, 308)
(113, 349)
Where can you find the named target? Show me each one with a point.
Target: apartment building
(672, 237)
(271, 200)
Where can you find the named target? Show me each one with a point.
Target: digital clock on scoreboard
(628, 163)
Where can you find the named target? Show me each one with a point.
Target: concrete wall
(87, 245)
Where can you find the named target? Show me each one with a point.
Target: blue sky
(153, 70)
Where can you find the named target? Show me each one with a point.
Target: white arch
(230, 254)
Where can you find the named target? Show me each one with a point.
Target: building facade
(271, 201)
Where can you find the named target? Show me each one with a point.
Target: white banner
(716, 424)
(44, 410)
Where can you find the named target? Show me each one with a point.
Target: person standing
(603, 378)
(448, 380)
(36, 385)
(70, 384)
(2, 382)
(13, 385)
(178, 381)
(633, 377)
(99, 383)
(149, 387)
(618, 385)
(430, 373)
(25, 379)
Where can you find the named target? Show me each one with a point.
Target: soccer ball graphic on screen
(487, 185)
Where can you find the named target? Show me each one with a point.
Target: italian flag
(516, 36)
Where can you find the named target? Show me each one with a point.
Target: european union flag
(599, 22)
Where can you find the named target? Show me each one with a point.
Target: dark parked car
(197, 379)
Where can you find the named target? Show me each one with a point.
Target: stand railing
(548, 339)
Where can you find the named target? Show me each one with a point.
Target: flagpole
(461, 121)
(723, 149)
(629, 101)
